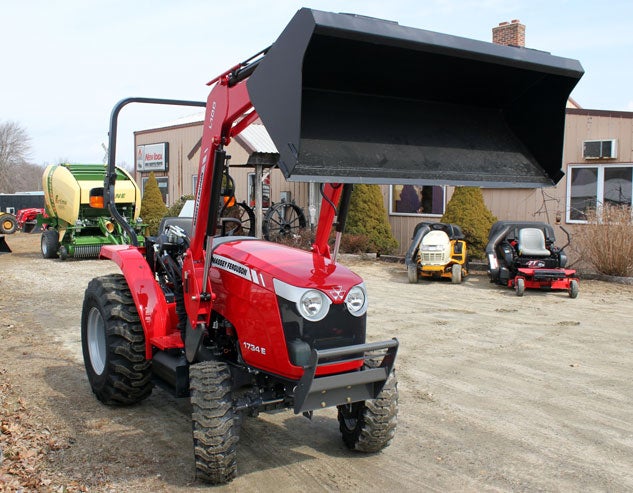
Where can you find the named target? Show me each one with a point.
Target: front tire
(113, 343)
(215, 422)
(369, 426)
(573, 288)
(456, 274)
(519, 286)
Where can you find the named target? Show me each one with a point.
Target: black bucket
(353, 99)
(4, 247)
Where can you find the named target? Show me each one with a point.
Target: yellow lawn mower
(437, 250)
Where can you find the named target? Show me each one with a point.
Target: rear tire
(519, 286)
(456, 274)
(412, 273)
(8, 224)
(573, 288)
(215, 423)
(369, 426)
(113, 343)
(50, 243)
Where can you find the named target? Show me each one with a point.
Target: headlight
(313, 305)
(356, 301)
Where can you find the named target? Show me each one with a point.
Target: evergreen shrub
(468, 210)
(177, 206)
(367, 217)
(153, 208)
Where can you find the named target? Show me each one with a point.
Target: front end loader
(242, 325)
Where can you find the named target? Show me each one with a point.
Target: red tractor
(27, 218)
(242, 325)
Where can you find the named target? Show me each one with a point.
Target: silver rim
(96, 341)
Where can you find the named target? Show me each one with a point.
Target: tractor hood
(261, 261)
(348, 98)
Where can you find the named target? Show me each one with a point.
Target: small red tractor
(242, 325)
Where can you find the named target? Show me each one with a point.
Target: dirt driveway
(497, 393)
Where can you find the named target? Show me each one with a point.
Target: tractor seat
(532, 243)
(182, 222)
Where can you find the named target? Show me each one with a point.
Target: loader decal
(231, 266)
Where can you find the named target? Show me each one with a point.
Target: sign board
(152, 157)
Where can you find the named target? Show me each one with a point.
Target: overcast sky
(66, 63)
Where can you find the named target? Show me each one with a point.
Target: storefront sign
(152, 157)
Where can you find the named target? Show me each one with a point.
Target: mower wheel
(456, 274)
(573, 288)
(113, 343)
(369, 426)
(519, 286)
(215, 422)
(412, 272)
(49, 243)
(8, 224)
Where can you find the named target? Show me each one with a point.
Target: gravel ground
(497, 393)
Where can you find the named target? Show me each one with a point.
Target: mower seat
(532, 243)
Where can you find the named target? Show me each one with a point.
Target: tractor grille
(337, 329)
(87, 251)
(433, 258)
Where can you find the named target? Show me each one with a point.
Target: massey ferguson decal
(232, 266)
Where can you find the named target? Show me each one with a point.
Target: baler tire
(369, 426)
(412, 272)
(49, 243)
(215, 422)
(8, 224)
(113, 343)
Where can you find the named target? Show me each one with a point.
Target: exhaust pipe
(353, 99)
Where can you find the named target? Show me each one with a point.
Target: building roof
(255, 139)
(197, 117)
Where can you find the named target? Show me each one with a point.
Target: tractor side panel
(251, 306)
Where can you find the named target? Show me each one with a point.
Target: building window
(588, 187)
(427, 200)
(163, 184)
(194, 184)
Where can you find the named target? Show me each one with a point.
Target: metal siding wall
(519, 204)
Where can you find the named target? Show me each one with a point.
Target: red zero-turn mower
(241, 325)
(522, 255)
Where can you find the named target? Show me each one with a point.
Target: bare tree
(15, 148)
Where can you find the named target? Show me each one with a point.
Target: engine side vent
(600, 149)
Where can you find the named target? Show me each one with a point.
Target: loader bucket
(348, 98)
(4, 246)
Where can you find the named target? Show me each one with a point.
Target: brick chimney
(509, 33)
